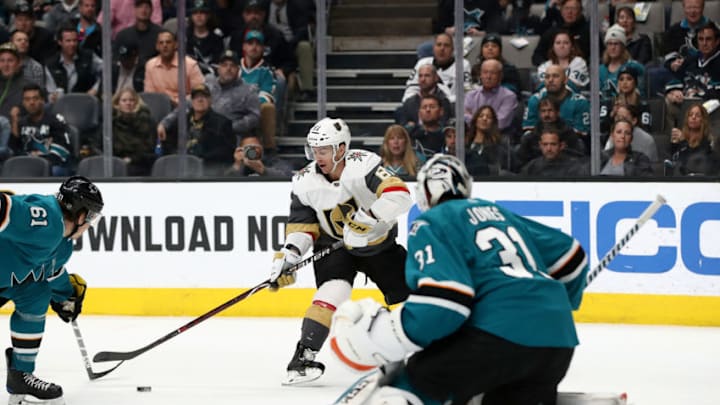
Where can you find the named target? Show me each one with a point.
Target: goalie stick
(86, 359)
(123, 356)
(610, 255)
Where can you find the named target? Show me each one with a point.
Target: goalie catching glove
(366, 335)
(286, 258)
(361, 228)
(69, 309)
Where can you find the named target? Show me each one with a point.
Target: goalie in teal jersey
(36, 240)
(490, 309)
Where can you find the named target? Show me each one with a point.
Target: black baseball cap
(23, 7)
(494, 38)
(229, 54)
(255, 4)
(200, 89)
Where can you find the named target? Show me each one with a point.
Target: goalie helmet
(443, 176)
(78, 194)
(328, 132)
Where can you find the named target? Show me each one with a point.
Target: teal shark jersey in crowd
(31, 239)
(473, 263)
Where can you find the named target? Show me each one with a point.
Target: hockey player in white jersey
(343, 194)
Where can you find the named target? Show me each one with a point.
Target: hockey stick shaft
(609, 256)
(86, 359)
(122, 356)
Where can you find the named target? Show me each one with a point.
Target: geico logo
(697, 226)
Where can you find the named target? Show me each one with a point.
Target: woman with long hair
(398, 156)
(566, 54)
(133, 132)
(691, 147)
(615, 57)
(621, 160)
(488, 152)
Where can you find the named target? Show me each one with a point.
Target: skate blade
(23, 399)
(297, 378)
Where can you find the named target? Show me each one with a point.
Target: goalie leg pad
(365, 335)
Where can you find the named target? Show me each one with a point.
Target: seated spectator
(250, 160)
(278, 53)
(627, 94)
(428, 83)
(554, 162)
(563, 14)
(133, 132)
(450, 134)
(161, 72)
(204, 41)
(701, 71)
(679, 40)
(488, 152)
(40, 134)
(63, 13)
(209, 136)
(89, 31)
(73, 70)
(678, 43)
(444, 62)
(620, 159)
(565, 53)
(549, 111)
(673, 105)
(233, 98)
(641, 140)
(143, 33)
(639, 45)
(491, 48)
(122, 15)
(42, 42)
(12, 80)
(398, 156)
(574, 108)
(615, 57)
(32, 70)
(427, 133)
(256, 72)
(293, 18)
(127, 72)
(503, 101)
(691, 147)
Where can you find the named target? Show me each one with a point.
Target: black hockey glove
(69, 309)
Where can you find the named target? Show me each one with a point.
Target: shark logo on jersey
(416, 226)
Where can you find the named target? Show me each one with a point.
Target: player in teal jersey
(36, 240)
(490, 309)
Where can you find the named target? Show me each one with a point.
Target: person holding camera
(209, 133)
(251, 161)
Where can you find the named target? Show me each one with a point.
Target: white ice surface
(242, 360)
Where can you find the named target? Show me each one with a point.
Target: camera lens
(251, 153)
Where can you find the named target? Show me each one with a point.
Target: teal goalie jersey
(473, 263)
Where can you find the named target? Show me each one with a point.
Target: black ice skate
(302, 367)
(24, 388)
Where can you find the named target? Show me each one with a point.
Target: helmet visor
(93, 217)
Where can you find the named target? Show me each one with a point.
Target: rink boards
(183, 248)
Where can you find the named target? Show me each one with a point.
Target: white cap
(616, 33)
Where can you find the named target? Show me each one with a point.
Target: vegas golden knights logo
(336, 217)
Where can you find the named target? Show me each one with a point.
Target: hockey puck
(144, 388)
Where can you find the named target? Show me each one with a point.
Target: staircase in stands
(371, 53)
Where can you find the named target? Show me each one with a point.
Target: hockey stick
(609, 256)
(86, 359)
(122, 356)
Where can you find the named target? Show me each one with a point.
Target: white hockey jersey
(319, 206)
